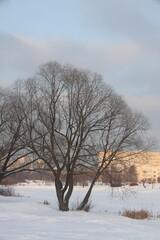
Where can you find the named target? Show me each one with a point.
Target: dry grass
(137, 214)
(86, 208)
(45, 202)
(7, 192)
(158, 215)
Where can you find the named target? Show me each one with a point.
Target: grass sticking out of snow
(137, 214)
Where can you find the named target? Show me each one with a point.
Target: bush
(7, 191)
(158, 215)
(133, 184)
(46, 202)
(116, 185)
(86, 208)
(134, 214)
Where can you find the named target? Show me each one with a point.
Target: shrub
(116, 185)
(46, 202)
(158, 215)
(133, 184)
(86, 208)
(135, 214)
(7, 191)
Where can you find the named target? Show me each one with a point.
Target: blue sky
(119, 39)
(37, 18)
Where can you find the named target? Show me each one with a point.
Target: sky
(119, 39)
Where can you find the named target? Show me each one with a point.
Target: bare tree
(71, 115)
(122, 139)
(14, 155)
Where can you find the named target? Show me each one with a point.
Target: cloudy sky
(119, 39)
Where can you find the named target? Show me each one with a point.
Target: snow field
(27, 218)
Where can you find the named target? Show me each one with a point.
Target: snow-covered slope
(26, 218)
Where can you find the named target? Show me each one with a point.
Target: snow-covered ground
(27, 218)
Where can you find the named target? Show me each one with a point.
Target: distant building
(150, 170)
(147, 164)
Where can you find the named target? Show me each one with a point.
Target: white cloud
(128, 66)
(19, 57)
(150, 107)
(129, 19)
(24, 55)
(125, 50)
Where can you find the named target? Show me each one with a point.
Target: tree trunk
(87, 196)
(64, 194)
(1, 177)
(63, 205)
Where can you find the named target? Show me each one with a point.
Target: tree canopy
(71, 114)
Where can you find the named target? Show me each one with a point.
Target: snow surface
(27, 218)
